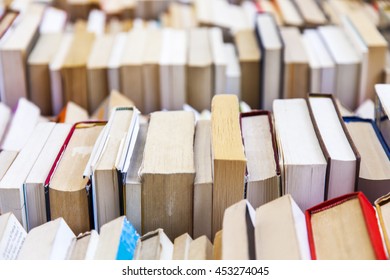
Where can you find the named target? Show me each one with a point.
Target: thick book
(263, 169)
(118, 240)
(228, 159)
(109, 163)
(12, 236)
(12, 198)
(345, 227)
(67, 193)
(280, 231)
(50, 241)
(374, 176)
(382, 207)
(342, 156)
(167, 173)
(304, 166)
(272, 64)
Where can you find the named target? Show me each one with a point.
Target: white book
(12, 236)
(11, 186)
(232, 72)
(53, 21)
(5, 117)
(114, 79)
(219, 60)
(84, 246)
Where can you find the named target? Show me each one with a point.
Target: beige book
(133, 188)
(84, 246)
(263, 171)
(115, 99)
(280, 231)
(114, 75)
(301, 157)
(199, 70)
(5, 118)
(217, 248)
(154, 245)
(270, 8)
(382, 110)
(106, 165)
(131, 67)
(73, 113)
(14, 53)
(233, 71)
(238, 232)
(181, 247)
(12, 197)
(34, 186)
(296, 64)
(6, 160)
(383, 211)
(340, 232)
(50, 241)
(53, 21)
(38, 70)
(201, 249)
(150, 9)
(182, 16)
(173, 76)
(168, 172)
(311, 13)
(74, 69)
(12, 236)
(80, 9)
(289, 13)
(374, 173)
(219, 60)
(249, 56)
(97, 70)
(67, 187)
(203, 185)
(377, 49)
(229, 161)
(151, 71)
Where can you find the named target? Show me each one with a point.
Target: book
(347, 64)
(5, 117)
(115, 99)
(114, 63)
(117, 241)
(167, 173)
(67, 192)
(173, 78)
(12, 236)
(72, 113)
(322, 66)
(201, 249)
(280, 231)
(151, 71)
(289, 13)
(84, 246)
(383, 214)
(22, 125)
(53, 21)
(14, 52)
(344, 228)
(7, 21)
(219, 61)
(342, 156)
(181, 247)
(133, 185)
(238, 232)
(203, 184)
(50, 241)
(296, 64)
(199, 69)
(272, 50)
(150, 9)
(263, 170)
(110, 160)
(154, 245)
(374, 173)
(382, 111)
(233, 71)
(311, 13)
(12, 197)
(300, 153)
(38, 70)
(6, 160)
(97, 70)
(228, 159)
(217, 248)
(249, 56)
(33, 187)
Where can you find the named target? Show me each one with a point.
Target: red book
(345, 227)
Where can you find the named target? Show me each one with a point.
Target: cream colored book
(311, 13)
(114, 76)
(12, 236)
(249, 55)
(289, 13)
(72, 113)
(229, 161)
(50, 241)
(6, 160)
(383, 110)
(201, 249)
(383, 211)
(154, 245)
(238, 241)
(219, 60)
(203, 184)
(167, 173)
(5, 117)
(12, 197)
(233, 71)
(217, 247)
(84, 246)
(181, 247)
(115, 99)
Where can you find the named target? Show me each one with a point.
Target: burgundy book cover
(369, 217)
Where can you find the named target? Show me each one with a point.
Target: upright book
(382, 112)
